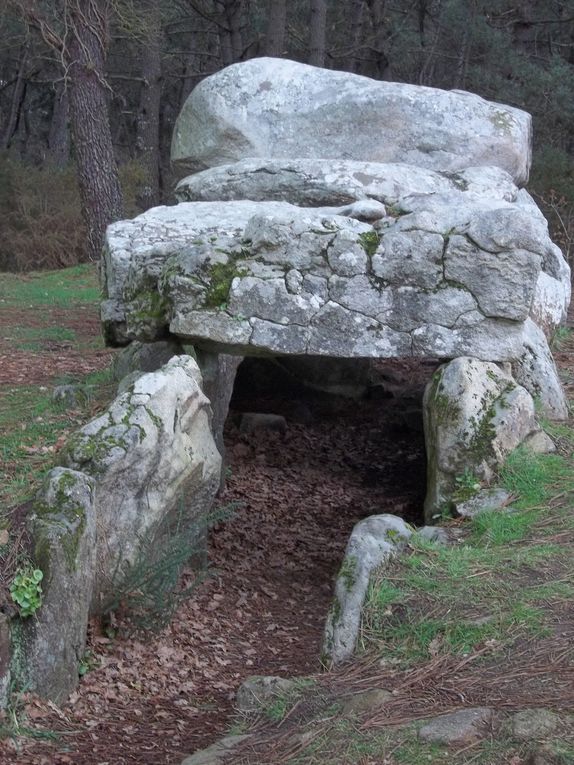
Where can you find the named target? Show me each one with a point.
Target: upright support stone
(155, 463)
(5, 657)
(474, 414)
(373, 541)
(52, 641)
(218, 371)
(536, 371)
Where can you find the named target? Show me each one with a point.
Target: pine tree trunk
(17, 101)
(100, 191)
(276, 28)
(317, 32)
(59, 136)
(147, 141)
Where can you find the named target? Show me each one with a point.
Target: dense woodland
(90, 90)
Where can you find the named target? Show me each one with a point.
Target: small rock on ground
(368, 701)
(252, 421)
(486, 500)
(540, 443)
(458, 728)
(217, 753)
(531, 724)
(257, 691)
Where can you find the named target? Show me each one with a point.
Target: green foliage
(466, 486)
(370, 241)
(26, 590)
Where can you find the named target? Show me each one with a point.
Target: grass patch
(536, 478)
(62, 288)
(493, 588)
(33, 338)
(33, 426)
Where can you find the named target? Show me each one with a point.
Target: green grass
(33, 338)
(451, 599)
(536, 478)
(31, 424)
(52, 288)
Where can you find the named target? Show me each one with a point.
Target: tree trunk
(59, 135)
(147, 140)
(276, 27)
(234, 16)
(100, 191)
(353, 63)
(382, 67)
(17, 101)
(317, 32)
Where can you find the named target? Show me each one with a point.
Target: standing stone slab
(5, 660)
(63, 529)
(153, 458)
(277, 108)
(475, 414)
(218, 372)
(372, 542)
(536, 371)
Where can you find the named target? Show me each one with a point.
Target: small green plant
(466, 486)
(88, 662)
(26, 590)
(370, 241)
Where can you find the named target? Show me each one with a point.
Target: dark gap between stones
(303, 487)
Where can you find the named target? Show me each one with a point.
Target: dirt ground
(152, 699)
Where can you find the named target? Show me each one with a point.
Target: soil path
(153, 699)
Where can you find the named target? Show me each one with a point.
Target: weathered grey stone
(278, 108)
(533, 724)
(372, 542)
(127, 382)
(5, 658)
(366, 701)
(475, 414)
(535, 369)
(503, 286)
(217, 753)
(279, 279)
(458, 728)
(484, 501)
(63, 530)
(69, 396)
(261, 690)
(152, 456)
(540, 443)
(144, 357)
(434, 534)
(334, 182)
(218, 372)
(252, 421)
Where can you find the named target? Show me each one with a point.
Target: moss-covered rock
(475, 414)
(48, 647)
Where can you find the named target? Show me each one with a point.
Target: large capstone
(283, 109)
(450, 274)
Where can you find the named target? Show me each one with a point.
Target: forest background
(78, 77)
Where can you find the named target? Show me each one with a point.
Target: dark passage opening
(302, 484)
